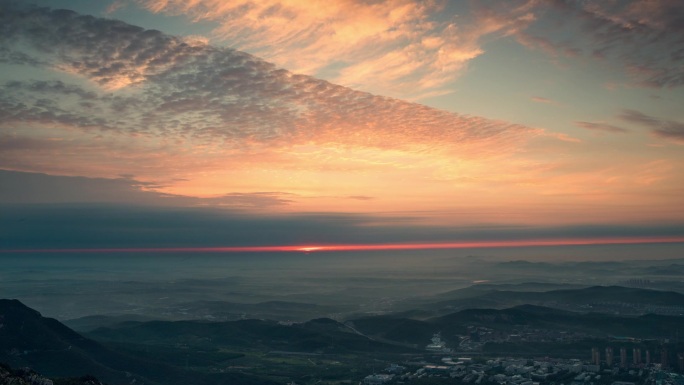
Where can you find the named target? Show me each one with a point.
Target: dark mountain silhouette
(672, 269)
(589, 299)
(321, 335)
(44, 344)
(26, 376)
(91, 322)
(215, 311)
(418, 332)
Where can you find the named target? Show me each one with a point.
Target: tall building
(663, 358)
(680, 362)
(636, 356)
(623, 357)
(609, 356)
(595, 356)
(648, 357)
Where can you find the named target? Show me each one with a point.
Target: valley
(330, 340)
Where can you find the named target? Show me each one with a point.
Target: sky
(211, 123)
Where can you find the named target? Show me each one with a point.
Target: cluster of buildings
(608, 366)
(635, 358)
(629, 308)
(517, 371)
(479, 335)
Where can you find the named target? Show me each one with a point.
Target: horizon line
(310, 248)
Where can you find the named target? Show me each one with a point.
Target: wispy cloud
(645, 38)
(412, 49)
(601, 127)
(540, 99)
(550, 47)
(667, 129)
(360, 197)
(394, 47)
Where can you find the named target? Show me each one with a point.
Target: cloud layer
(415, 49)
(668, 129)
(120, 81)
(602, 127)
(400, 44)
(643, 38)
(163, 120)
(119, 226)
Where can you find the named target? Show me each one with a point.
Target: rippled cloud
(162, 91)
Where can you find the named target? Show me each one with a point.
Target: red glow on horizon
(366, 247)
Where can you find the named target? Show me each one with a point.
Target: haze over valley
(321, 192)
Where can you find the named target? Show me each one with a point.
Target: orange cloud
(394, 47)
(209, 122)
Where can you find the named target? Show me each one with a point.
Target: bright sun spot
(309, 248)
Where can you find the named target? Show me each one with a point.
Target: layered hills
(27, 339)
(518, 320)
(601, 299)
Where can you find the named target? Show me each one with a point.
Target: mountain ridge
(49, 347)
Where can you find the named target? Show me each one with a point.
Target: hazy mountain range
(247, 351)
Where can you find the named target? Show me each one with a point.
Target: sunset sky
(209, 123)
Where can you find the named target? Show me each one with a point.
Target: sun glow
(308, 249)
(368, 247)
